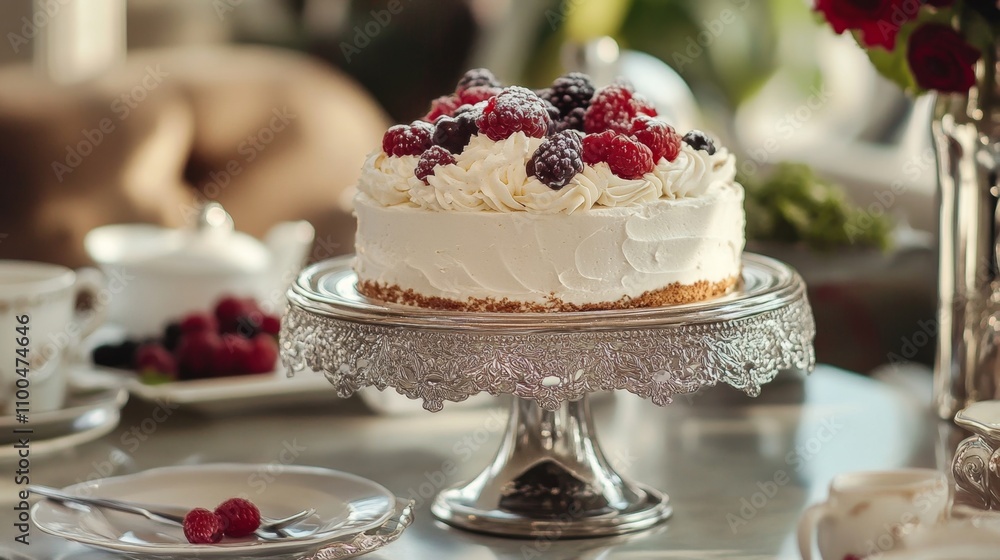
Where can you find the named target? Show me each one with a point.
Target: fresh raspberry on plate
(595, 146)
(263, 355)
(203, 527)
(241, 517)
(195, 322)
(228, 311)
(248, 326)
(557, 160)
(658, 136)
(627, 158)
(230, 354)
(195, 353)
(270, 325)
(154, 357)
(515, 109)
(407, 139)
(476, 77)
(238, 315)
(430, 159)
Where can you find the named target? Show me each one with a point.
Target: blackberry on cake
(569, 92)
(453, 133)
(476, 77)
(700, 141)
(557, 159)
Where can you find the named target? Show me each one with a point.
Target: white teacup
(867, 513)
(40, 327)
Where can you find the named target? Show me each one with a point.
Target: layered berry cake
(568, 198)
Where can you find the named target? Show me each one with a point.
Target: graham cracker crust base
(673, 294)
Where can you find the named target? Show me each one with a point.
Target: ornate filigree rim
(369, 541)
(451, 363)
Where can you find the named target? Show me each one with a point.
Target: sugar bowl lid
(211, 246)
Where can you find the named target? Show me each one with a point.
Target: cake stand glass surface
(549, 478)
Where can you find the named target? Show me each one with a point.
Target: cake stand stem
(550, 479)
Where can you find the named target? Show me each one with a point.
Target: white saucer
(92, 409)
(345, 504)
(216, 396)
(237, 393)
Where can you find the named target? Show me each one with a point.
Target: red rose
(878, 20)
(941, 60)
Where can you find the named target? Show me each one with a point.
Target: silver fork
(169, 514)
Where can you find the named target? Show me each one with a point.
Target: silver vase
(966, 129)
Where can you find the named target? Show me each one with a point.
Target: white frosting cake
(482, 234)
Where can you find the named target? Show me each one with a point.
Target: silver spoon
(170, 515)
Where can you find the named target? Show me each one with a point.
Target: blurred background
(142, 112)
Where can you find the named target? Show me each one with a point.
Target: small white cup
(38, 312)
(867, 513)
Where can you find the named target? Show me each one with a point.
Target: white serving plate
(236, 394)
(345, 504)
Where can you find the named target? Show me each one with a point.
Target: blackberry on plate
(700, 141)
(454, 133)
(558, 159)
(172, 336)
(569, 92)
(115, 355)
(476, 77)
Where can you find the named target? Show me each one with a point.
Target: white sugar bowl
(156, 274)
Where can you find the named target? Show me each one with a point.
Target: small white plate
(92, 409)
(345, 504)
(235, 394)
(238, 393)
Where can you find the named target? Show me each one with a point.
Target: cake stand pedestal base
(551, 479)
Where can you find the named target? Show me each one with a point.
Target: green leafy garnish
(151, 377)
(793, 205)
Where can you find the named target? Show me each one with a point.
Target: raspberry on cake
(498, 201)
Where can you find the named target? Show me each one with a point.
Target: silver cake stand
(549, 478)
